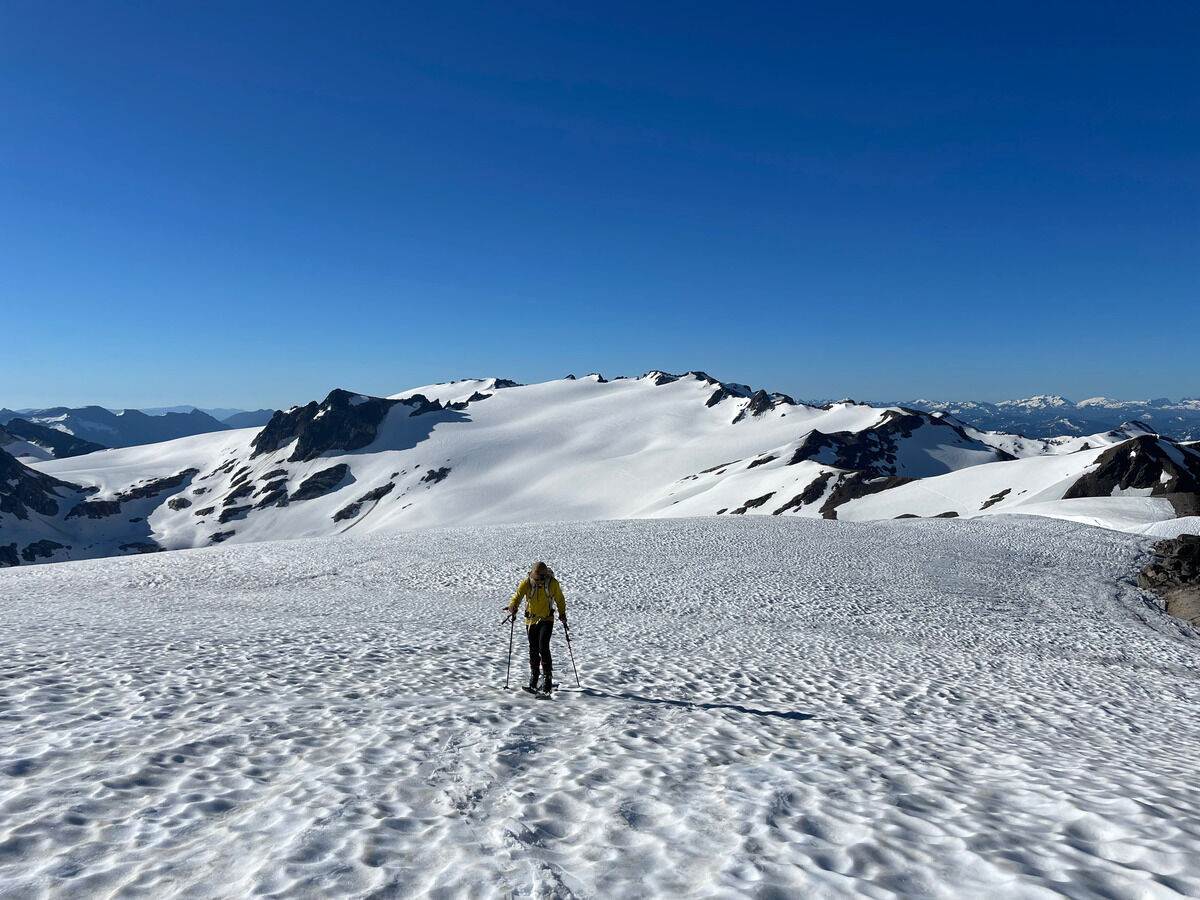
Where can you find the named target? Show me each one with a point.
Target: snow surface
(26, 451)
(769, 707)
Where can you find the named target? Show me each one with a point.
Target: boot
(533, 678)
(547, 679)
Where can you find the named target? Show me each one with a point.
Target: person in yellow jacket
(538, 590)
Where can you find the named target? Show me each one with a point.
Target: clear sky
(248, 204)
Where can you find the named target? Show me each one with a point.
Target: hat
(539, 571)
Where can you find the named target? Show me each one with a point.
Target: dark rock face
(154, 488)
(1176, 577)
(233, 512)
(41, 550)
(178, 503)
(59, 443)
(8, 555)
(271, 486)
(874, 450)
(207, 511)
(1143, 462)
(277, 497)
(140, 547)
(96, 509)
(853, 485)
(377, 493)
(433, 476)
(996, 498)
(721, 393)
(762, 461)
(343, 421)
(809, 495)
(23, 490)
(273, 493)
(351, 510)
(752, 504)
(321, 483)
(761, 402)
(221, 536)
(99, 509)
(237, 494)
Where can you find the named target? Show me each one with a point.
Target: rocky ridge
(327, 466)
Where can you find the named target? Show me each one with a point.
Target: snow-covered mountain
(28, 441)
(248, 418)
(1050, 416)
(124, 429)
(489, 452)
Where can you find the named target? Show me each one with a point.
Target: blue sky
(247, 204)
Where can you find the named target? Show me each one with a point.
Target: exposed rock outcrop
(157, 486)
(874, 451)
(350, 510)
(95, 509)
(22, 490)
(41, 550)
(321, 483)
(140, 547)
(233, 512)
(1175, 576)
(808, 496)
(761, 402)
(343, 421)
(1144, 463)
(752, 504)
(853, 485)
(100, 509)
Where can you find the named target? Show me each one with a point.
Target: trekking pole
(567, 632)
(512, 624)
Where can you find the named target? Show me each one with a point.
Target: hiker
(538, 590)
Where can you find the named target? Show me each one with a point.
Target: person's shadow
(687, 704)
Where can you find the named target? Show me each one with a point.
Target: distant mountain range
(1050, 416)
(47, 433)
(1041, 417)
(488, 451)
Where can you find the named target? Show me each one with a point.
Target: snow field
(770, 707)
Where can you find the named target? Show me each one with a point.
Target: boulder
(1176, 576)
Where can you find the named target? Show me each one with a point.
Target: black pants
(539, 643)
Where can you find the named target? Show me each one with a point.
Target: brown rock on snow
(1176, 576)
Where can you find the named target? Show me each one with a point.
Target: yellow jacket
(538, 597)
